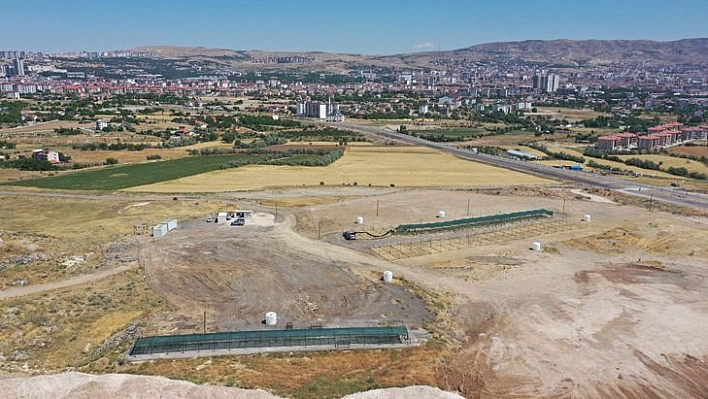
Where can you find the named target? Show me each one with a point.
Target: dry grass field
(48, 230)
(646, 172)
(375, 166)
(571, 114)
(666, 161)
(697, 151)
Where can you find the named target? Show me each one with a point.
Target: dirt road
(54, 285)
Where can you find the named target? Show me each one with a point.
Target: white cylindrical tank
(271, 318)
(387, 276)
(586, 218)
(441, 214)
(359, 220)
(536, 246)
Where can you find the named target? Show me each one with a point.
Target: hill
(543, 52)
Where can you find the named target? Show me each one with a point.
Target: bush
(110, 161)
(153, 157)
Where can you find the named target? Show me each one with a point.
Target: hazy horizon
(365, 27)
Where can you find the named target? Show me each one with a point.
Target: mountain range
(567, 53)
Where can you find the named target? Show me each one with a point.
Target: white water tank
(536, 246)
(586, 218)
(359, 220)
(271, 318)
(387, 276)
(441, 214)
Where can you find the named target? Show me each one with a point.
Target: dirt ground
(611, 308)
(615, 307)
(237, 274)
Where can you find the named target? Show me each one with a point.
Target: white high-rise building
(548, 83)
(316, 109)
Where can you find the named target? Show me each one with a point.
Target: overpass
(671, 195)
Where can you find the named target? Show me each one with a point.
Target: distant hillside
(550, 52)
(592, 51)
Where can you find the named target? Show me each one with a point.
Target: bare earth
(610, 308)
(79, 385)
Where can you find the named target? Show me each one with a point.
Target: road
(672, 195)
(54, 285)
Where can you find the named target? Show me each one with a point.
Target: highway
(671, 195)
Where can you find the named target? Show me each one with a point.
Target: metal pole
(377, 207)
(276, 209)
(468, 207)
(204, 319)
(563, 206)
(651, 198)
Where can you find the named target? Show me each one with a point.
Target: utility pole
(204, 320)
(564, 206)
(276, 209)
(468, 207)
(651, 198)
(377, 207)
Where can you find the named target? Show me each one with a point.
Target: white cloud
(424, 45)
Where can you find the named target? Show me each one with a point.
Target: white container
(359, 220)
(387, 276)
(536, 246)
(221, 217)
(586, 218)
(441, 214)
(271, 318)
(160, 230)
(171, 224)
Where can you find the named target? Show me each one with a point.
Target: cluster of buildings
(16, 68)
(316, 109)
(660, 136)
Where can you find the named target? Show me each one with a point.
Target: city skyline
(364, 27)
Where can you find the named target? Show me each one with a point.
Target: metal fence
(471, 222)
(335, 337)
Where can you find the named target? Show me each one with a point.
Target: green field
(119, 177)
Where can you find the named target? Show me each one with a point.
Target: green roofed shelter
(234, 340)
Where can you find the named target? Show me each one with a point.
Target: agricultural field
(571, 114)
(363, 166)
(696, 151)
(119, 177)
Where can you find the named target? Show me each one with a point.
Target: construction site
(520, 277)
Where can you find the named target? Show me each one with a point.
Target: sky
(345, 26)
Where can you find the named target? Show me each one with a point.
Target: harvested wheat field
(363, 166)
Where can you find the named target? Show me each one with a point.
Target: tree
(229, 137)
(64, 157)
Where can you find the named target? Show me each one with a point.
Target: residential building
(44, 154)
(19, 67)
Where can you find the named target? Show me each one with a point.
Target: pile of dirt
(79, 385)
(415, 391)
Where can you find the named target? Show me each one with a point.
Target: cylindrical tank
(387, 276)
(359, 220)
(586, 218)
(271, 318)
(536, 246)
(441, 214)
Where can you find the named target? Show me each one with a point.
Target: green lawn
(119, 177)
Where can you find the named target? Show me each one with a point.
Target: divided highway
(671, 195)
